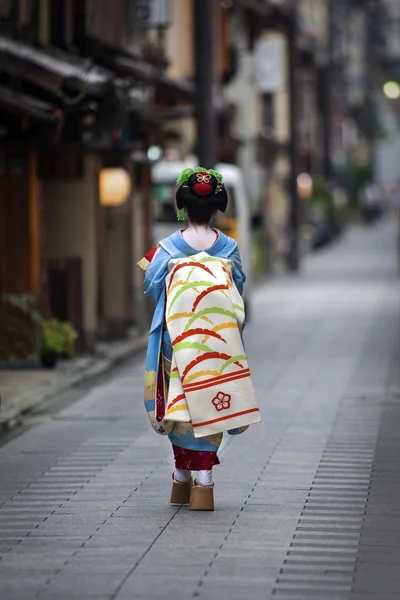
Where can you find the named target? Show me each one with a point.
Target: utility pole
(327, 93)
(293, 257)
(204, 39)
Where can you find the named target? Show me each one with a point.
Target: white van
(235, 222)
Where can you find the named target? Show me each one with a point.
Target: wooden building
(78, 81)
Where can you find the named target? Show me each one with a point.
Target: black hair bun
(186, 195)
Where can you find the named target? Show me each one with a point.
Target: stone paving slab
(306, 501)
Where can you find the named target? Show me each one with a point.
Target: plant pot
(49, 360)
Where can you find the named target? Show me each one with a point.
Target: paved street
(306, 502)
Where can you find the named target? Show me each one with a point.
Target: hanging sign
(270, 65)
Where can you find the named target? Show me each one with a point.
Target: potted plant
(51, 343)
(58, 339)
(68, 338)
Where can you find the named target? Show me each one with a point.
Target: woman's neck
(199, 237)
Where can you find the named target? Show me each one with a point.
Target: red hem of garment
(194, 460)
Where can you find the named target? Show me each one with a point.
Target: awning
(18, 103)
(143, 71)
(70, 77)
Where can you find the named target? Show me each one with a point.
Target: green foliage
(184, 176)
(69, 337)
(181, 214)
(320, 196)
(58, 338)
(26, 303)
(21, 325)
(186, 173)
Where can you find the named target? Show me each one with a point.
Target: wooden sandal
(202, 497)
(180, 493)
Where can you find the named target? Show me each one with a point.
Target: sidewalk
(306, 501)
(22, 390)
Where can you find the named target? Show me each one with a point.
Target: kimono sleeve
(155, 274)
(238, 276)
(147, 258)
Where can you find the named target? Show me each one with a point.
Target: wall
(116, 275)
(139, 248)
(179, 40)
(19, 223)
(243, 93)
(19, 250)
(277, 200)
(69, 223)
(187, 142)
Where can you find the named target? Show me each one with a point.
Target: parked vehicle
(235, 222)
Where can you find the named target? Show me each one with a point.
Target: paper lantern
(115, 187)
(304, 185)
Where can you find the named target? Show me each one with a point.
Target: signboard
(153, 13)
(270, 65)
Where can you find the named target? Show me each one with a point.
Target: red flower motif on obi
(222, 401)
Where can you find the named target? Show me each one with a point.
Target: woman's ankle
(181, 475)
(204, 478)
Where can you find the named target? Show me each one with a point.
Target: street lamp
(115, 187)
(391, 89)
(304, 186)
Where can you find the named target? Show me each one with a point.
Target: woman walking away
(197, 380)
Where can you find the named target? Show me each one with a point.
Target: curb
(12, 416)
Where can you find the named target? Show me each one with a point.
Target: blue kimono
(159, 351)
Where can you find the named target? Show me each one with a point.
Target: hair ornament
(186, 174)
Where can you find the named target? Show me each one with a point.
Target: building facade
(79, 83)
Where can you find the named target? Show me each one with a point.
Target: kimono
(192, 451)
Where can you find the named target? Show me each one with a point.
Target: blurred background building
(94, 93)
